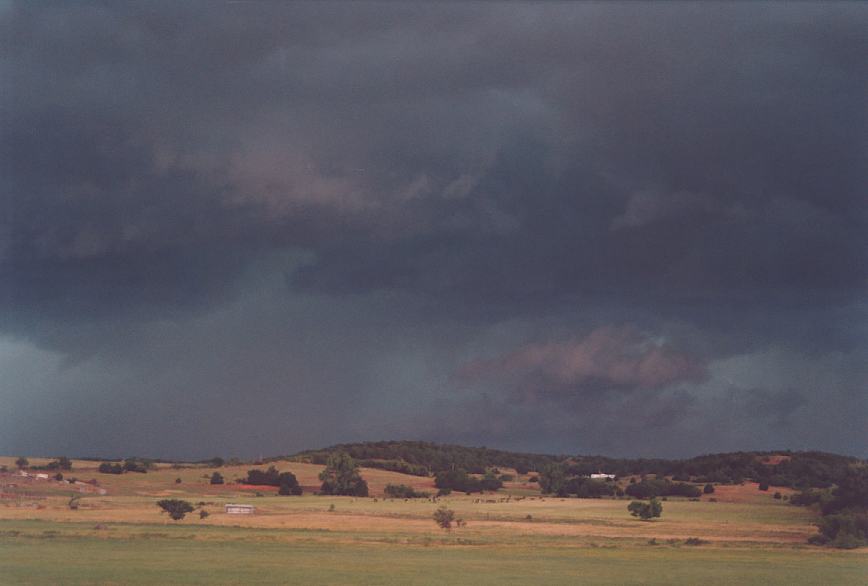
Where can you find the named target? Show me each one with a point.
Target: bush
(777, 496)
(217, 478)
(645, 511)
(458, 480)
(444, 517)
(694, 541)
(708, 489)
(136, 465)
(176, 508)
(402, 491)
(177, 481)
(764, 485)
(490, 481)
(270, 477)
(846, 530)
(290, 489)
(109, 468)
(22, 463)
(58, 477)
(203, 513)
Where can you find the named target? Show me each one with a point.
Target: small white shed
(234, 509)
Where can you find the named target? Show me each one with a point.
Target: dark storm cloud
(509, 176)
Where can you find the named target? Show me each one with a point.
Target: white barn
(234, 509)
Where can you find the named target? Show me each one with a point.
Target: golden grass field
(744, 524)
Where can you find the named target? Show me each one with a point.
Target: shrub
(846, 530)
(490, 481)
(694, 541)
(444, 517)
(176, 508)
(203, 513)
(777, 496)
(109, 468)
(290, 489)
(646, 511)
(58, 477)
(763, 485)
(458, 480)
(402, 491)
(177, 481)
(217, 478)
(708, 489)
(22, 463)
(136, 465)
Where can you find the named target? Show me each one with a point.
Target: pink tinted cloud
(613, 356)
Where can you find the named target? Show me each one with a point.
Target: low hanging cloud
(611, 357)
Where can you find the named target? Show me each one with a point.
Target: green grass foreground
(37, 552)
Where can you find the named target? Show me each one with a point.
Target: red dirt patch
(774, 459)
(258, 487)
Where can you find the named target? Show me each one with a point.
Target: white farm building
(239, 509)
(601, 476)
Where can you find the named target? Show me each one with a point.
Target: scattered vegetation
(844, 508)
(402, 491)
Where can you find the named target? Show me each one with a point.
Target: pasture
(515, 536)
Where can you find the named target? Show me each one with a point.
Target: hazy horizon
(245, 229)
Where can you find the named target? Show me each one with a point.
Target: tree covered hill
(794, 469)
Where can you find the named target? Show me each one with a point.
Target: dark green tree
(22, 463)
(176, 508)
(341, 476)
(553, 479)
(217, 478)
(708, 489)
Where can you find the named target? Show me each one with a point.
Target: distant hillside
(794, 469)
(426, 458)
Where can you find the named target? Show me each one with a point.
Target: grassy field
(509, 538)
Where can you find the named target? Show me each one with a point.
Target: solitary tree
(216, 478)
(444, 517)
(22, 463)
(341, 476)
(552, 479)
(176, 508)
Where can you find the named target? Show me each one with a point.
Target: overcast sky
(251, 228)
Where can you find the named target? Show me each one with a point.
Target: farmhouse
(233, 509)
(602, 476)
